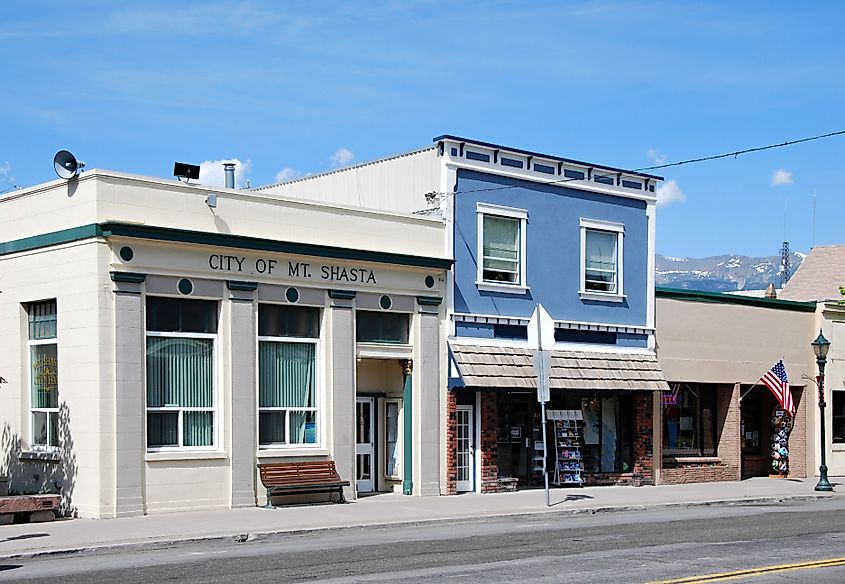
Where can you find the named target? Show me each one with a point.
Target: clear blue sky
(298, 87)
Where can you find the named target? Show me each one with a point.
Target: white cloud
(342, 157)
(656, 156)
(782, 177)
(287, 174)
(212, 174)
(669, 192)
(6, 173)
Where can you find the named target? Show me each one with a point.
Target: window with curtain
(391, 416)
(287, 375)
(500, 249)
(44, 374)
(600, 266)
(181, 337)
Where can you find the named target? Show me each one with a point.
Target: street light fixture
(820, 347)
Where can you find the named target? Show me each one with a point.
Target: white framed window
(392, 442)
(288, 397)
(44, 374)
(601, 260)
(181, 387)
(501, 248)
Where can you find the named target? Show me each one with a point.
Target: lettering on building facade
(299, 270)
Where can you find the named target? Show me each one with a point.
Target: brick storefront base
(698, 474)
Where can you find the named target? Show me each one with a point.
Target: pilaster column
(130, 394)
(240, 374)
(342, 378)
(427, 399)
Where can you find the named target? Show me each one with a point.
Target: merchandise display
(568, 459)
(781, 427)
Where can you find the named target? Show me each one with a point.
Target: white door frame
(465, 448)
(365, 447)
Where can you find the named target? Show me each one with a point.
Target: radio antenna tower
(784, 264)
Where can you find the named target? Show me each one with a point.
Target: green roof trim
(217, 239)
(429, 300)
(52, 238)
(722, 298)
(271, 245)
(342, 294)
(133, 277)
(239, 285)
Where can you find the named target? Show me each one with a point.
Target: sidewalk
(27, 540)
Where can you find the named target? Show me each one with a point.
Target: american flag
(775, 379)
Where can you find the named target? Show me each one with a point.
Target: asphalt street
(637, 546)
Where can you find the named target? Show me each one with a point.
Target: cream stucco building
(160, 338)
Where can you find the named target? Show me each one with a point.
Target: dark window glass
(381, 327)
(603, 179)
(42, 320)
(510, 331)
(688, 420)
(171, 315)
(838, 406)
(632, 185)
(477, 156)
(576, 336)
(544, 168)
(511, 162)
(278, 320)
(573, 174)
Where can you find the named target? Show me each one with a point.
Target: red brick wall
(644, 437)
(798, 436)
(451, 445)
(684, 474)
(728, 426)
(489, 428)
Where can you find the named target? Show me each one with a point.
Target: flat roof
(722, 298)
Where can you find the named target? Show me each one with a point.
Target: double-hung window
(501, 248)
(601, 260)
(181, 337)
(287, 375)
(44, 374)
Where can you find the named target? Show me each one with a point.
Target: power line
(670, 164)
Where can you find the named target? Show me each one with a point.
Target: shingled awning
(510, 368)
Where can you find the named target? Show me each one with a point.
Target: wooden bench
(289, 478)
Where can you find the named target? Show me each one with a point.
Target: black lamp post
(820, 347)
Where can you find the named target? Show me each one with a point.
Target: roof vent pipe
(229, 169)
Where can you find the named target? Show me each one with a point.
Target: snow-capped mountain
(724, 273)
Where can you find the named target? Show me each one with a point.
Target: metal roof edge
(722, 298)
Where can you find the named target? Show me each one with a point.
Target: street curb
(261, 535)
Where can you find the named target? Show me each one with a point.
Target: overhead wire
(733, 154)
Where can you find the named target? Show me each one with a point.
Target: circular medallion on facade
(126, 253)
(429, 281)
(185, 286)
(385, 302)
(292, 295)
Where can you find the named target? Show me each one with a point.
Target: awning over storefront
(492, 367)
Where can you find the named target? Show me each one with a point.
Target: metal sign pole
(545, 468)
(543, 366)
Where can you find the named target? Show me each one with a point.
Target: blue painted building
(550, 254)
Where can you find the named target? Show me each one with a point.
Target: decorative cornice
(132, 277)
(342, 294)
(217, 239)
(239, 285)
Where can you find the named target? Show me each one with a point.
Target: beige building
(818, 279)
(717, 419)
(161, 338)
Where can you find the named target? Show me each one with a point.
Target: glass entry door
(364, 445)
(464, 433)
